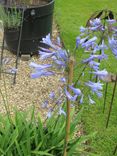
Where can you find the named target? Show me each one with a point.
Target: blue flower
(60, 63)
(80, 41)
(39, 66)
(89, 44)
(102, 47)
(95, 22)
(49, 114)
(62, 55)
(63, 79)
(59, 101)
(101, 74)
(95, 87)
(81, 100)
(45, 104)
(58, 41)
(113, 45)
(12, 70)
(61, 111)
(90, 100)
(69, 96)
(96, 25)
(44, 55)
(94, 65)
(111, 21)
(83, 29)
(47, 40)
(76, 91)
(52, 95)
(92, 57)
(41, 73)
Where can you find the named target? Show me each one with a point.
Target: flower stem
(70, 80)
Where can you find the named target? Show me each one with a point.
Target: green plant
(10, 18)
(26, 136)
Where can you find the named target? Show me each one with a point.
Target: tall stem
(70, 80)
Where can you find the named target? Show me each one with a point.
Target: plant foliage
(10, 18)
(24, 136)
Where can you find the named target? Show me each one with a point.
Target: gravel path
(26, 92)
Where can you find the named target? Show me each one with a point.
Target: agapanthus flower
(113, 45)
(12, 70)
(76, 91)
(90, 100)
(52, 95)
(63, 79)
(39, 66)
(90, 43)
(81, 99)
(45, 104)
(83, 29)
(58, 41)
(80, 41)
(62, 55)
(92, 57)
(103, 47)
(69, 96)
(45, 55)
(47, 40)
(111, 21)
(95, 48)
(114, 28)
(95, 87)
(49, 113)
(101, 73)
(61, 111)
(59, 102)
(94, 65)
(41, 73)
(60, 63)
(95, 22)
(96, 25)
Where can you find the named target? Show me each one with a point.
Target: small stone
(25, 57)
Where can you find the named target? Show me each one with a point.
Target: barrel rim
(31, 7)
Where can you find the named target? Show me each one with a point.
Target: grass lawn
(70, 15)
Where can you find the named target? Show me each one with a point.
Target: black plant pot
(37, 24)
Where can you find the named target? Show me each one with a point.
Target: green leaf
(2, 151)
(13, 138)
(18, 148)
(41, 153)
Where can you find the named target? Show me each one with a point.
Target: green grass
(70, 15)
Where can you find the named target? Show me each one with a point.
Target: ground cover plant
(79, 12)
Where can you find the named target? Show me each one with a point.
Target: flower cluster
(60, 57)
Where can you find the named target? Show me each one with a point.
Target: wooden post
(70, 80)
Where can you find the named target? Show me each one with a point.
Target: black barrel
(37, 24)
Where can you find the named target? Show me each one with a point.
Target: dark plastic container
(36, 25)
